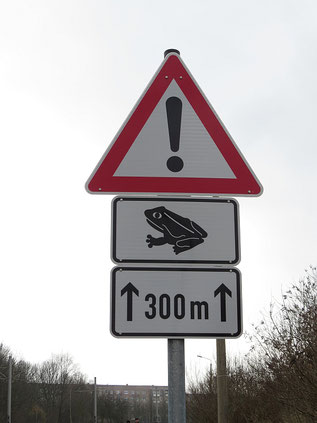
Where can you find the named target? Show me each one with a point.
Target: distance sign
(176, 302)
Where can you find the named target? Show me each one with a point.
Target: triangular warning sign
(173, 142)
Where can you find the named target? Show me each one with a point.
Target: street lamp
(210, 361)
(95, 401)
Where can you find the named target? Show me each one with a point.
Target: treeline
(54, 391)
(277, 381)
(42, 393)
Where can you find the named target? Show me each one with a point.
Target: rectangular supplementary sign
(176, 302)
(175, 230)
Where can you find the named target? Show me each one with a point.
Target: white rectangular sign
(175, 230)
(176, 302)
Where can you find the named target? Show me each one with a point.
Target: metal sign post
(176, 381)
(95, 400)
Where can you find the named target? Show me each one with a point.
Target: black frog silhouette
(178, 231)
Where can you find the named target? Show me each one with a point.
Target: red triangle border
(102, 180)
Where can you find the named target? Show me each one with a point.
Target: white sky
(70, 73)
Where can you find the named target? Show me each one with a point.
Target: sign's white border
(178, 259)
(170, 334)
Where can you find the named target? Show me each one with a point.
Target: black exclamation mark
(174, 118)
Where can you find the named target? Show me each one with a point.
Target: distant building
(147, 401)
(141, 393)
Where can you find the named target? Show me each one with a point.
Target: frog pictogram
(178, 231)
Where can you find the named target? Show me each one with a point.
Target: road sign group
(174, 143)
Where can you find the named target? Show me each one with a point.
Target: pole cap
(171, 50)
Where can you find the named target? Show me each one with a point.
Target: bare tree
(55, 378)
(201, 402)
(285, 347)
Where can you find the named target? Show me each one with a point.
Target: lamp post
(95, 400)
(222, 390)
(210, 361)
(9, 389)
(222, 378)
(94, 405)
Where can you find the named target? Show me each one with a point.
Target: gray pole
(70, 405)
(222, 390)
(95, 400)
(9, 390)
(176, 381)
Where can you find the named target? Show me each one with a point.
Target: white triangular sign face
(154, 141)
(173, 142)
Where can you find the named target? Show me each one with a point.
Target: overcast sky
(70, 73)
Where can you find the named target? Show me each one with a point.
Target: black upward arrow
(223, 290)
(129, 289)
